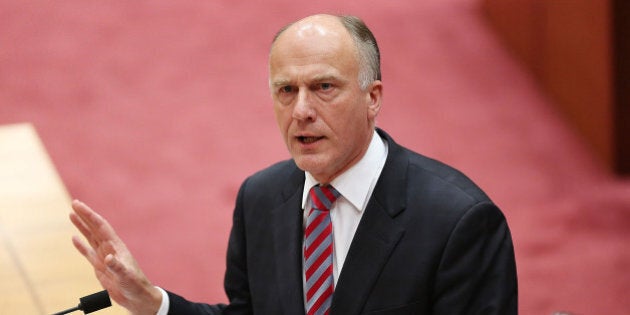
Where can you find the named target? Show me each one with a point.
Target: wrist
(149, 304)
(156, 300)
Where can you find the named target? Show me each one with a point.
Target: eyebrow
(326, 77)
(281, 82)
(316, 79)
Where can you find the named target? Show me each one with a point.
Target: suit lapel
(376, 237)
(287, 234)
(374, 241)
(371, 247)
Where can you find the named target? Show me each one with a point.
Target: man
(354, 223)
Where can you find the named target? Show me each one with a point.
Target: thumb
(114, 265)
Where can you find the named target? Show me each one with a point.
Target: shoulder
(427, 177)
(423, 169)
(279, 179)
(276, 173)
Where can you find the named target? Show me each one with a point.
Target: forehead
(311, 44)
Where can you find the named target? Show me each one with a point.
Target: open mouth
(307, 140)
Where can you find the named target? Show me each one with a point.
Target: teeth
(309, 139)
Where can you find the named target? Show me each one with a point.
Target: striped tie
(318, 251)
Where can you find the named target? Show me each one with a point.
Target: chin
(309, 164)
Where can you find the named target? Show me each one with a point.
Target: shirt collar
(355, 183)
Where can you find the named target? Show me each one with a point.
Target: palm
(113, 264)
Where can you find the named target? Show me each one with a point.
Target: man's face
(325, 118)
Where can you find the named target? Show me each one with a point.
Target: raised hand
(114, 266)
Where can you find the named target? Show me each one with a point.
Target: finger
(100, 229)
(89, 217)
(87, 252)
(81, 247)
(85, 231)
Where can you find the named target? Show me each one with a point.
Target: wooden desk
(40, 271)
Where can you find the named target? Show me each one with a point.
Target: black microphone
(91, 303)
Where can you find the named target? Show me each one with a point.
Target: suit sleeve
(235, 283)
(477, 272)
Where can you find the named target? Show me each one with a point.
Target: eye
(325, 86)
(286, 93)
(286, 89)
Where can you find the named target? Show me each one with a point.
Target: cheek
(344, 119)
(281, 120)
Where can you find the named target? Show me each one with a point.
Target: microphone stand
(70, 310)
(90, 303)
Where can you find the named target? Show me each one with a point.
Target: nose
(303, 109)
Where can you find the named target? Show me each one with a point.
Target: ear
(374, 97)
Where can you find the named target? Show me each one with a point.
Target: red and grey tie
(318, 251)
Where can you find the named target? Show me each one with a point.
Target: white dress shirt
(355, 186)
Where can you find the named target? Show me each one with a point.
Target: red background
(154, 112)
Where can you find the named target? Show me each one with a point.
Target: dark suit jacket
(430, 242)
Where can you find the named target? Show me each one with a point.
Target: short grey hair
(369, 56)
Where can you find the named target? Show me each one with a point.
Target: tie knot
(323, 197)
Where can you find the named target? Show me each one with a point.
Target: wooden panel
(568, 47)
(40, 270)
(576, 68)
(621, 38)
(15, 293)
(519, 26)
